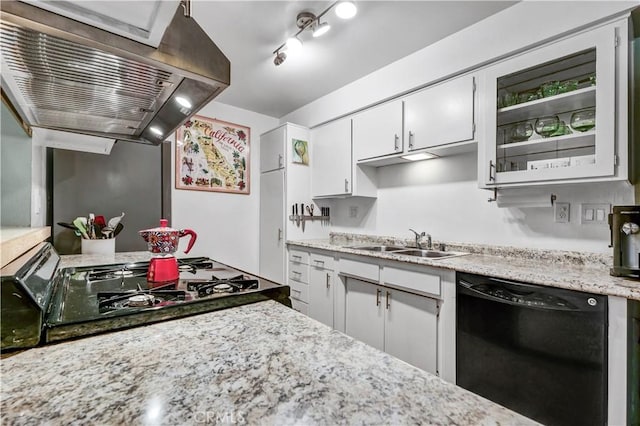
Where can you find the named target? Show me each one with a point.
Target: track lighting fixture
(307, 20)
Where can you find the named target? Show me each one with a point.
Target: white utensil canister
(100, 246)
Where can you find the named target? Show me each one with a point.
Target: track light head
(280, 58)
(320, 29)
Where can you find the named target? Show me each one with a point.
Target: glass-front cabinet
(550, 113)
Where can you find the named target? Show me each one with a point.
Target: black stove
(79, 301)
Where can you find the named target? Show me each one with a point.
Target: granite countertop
(77, 260)
(256, 364)
(576, 271)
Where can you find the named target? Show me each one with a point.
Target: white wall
(227, 224)
(441, 196)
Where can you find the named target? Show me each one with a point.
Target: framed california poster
(212, 155)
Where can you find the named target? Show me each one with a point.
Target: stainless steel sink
(378, 248)
(407, 251)
(429, 253)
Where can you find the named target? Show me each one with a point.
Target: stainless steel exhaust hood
(64, 75)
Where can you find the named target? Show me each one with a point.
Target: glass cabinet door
(551, 112)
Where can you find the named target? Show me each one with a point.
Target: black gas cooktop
(80, 301)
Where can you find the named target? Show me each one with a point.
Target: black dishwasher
(538, 350)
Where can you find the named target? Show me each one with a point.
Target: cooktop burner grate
(109, 301)
(217, 285)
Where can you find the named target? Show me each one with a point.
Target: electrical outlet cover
(561, 212)
(594, 214)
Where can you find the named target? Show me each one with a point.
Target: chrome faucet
(420, 235)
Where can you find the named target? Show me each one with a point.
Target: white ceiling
(381, 33)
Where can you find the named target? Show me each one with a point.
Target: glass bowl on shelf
(583, 120)
(546, 126)
(563, 129)
(519, 132)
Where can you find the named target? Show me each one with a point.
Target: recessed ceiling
(381, 33)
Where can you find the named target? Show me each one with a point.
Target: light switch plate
(594, 214)
(561, 212)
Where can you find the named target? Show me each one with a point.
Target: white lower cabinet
(402, 324)
(364, 313)
(321, 285)
(298, 280)
(299, 306)
(405, 310)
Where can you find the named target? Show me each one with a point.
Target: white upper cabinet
(272, 149)
(558, 112)
(440, 115)
(378, 131)
(437, 120)
(333, 172)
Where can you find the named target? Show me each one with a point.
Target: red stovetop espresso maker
(164, 242)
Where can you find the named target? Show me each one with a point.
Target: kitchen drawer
(299, 291)
(411, 280)
(321, 261)
(299, 306)
(298, 272)
(354, 268)
(298, 256)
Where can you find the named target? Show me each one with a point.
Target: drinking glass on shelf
(527, 97)
(509, 99)
(583, 120)
(550, 88)
(567, 86)
(546, 126)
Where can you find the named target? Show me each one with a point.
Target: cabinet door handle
(411, 135)
(396, 139)
(319, 263)
(346, 185)
(296, 274)
(328, 280)
(295, 256)
(388, 299)
(378, 292)
(279, 234)
(492, 167)
(280, 160)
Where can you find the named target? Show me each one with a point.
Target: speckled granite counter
(256, 364)
(571, 270)
(75, 260)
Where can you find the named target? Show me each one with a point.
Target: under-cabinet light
(419, 156)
